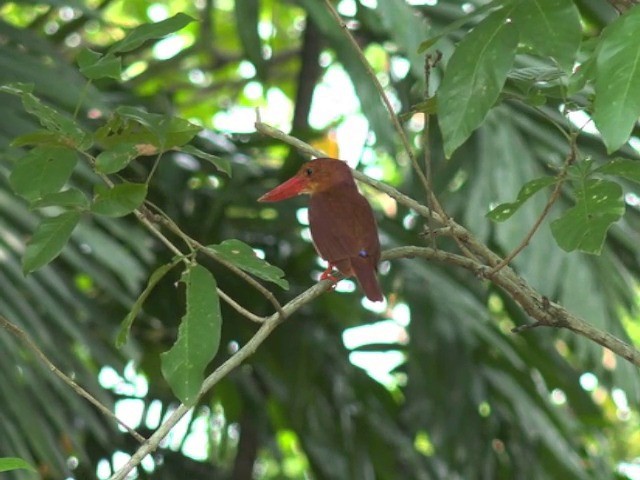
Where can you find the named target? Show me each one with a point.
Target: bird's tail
(366, 274)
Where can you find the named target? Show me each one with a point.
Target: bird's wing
(343, 226)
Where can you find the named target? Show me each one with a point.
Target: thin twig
(24, 337)
(571, 158)
(545, 312)
(239, 308)
(223, 370)
(195, 245)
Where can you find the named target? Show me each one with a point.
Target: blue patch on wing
(363, 253)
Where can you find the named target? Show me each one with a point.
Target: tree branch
(230, 364)
(24, 337)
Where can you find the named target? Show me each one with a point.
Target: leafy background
(468, 398)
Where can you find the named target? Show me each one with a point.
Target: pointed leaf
(120, 200)
(622, 167)
(599, 203)
(474, 78)
(221, 164)
(67, 198)
(550, 28)
(169, 132)
(50, 237)
(40, 138)
(459, 23)
(43, 170)
(243, 256)
(12, 463)
(116, 158)
(55, 121)
(149, 31)
(94, 65)
(506, 210)
(156, 276)
(617, 100)
(198, 340)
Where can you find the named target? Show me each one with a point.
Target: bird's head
(313, 177)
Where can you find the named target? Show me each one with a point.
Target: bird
(343, 227)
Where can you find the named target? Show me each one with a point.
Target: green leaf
(17, 88)
(149, 31)
(599, 204)
(54, 121)
(198, 340)
(120, 200)
(169, 132)
(617, 99)
(156, 276)
(12, 463)
(221, 164)
(459, 23)
(550, 28)
(474, 78)
(622, 167)
(247, 13)
(69, 198)
(39, 138)
(50, 237)
(116, 158)
(94, 65)
(243, 256)
(43, 170)
(505, 210)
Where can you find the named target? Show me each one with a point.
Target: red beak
(292, 187)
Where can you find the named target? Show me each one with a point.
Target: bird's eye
(309, 171)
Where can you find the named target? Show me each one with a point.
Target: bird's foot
(328, 275)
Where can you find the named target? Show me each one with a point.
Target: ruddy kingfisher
(342, 224)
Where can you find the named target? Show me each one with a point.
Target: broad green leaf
(474, 78)
(169, 132)
(459, 23)
(149, 31)
(50, 237)
(243, 256)
(617, 100)
(39, 138)
(94, 65)
(120, 200)
(156, 276)
(506, 210)
(72, 134)
(12, 463)
(69, 198)
(221, 164)
(247, 13)
(116, 158)
(43, 170)
(599, 204)
(549, 28)
(198, 340)
(622, 167)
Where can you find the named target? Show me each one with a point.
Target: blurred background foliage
(430, 385)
